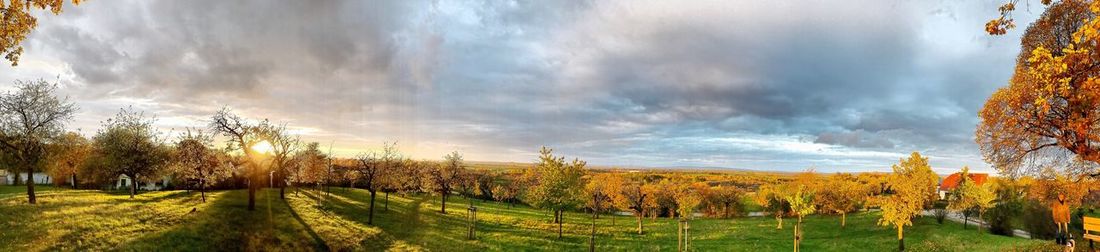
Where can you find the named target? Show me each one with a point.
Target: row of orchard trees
(33, 137)
(901, 195)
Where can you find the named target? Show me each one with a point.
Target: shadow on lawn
(227, 225)
(408, 221)
(316, 238)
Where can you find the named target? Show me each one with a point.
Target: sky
(780, 85)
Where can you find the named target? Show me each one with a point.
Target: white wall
(39, 178)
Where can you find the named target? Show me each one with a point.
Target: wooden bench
(1092, 230)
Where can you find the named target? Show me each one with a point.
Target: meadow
(314, 220)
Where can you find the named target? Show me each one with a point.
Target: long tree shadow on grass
(227, 225)
(437, 231)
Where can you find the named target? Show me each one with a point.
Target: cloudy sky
(768, 85)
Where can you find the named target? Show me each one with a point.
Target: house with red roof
(952, 181)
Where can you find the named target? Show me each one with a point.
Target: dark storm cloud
(765, 85)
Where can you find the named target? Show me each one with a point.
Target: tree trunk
(73, 180)
(979, 224)
(639, 215)
(133, 185)
(387, 205)
(251, 195)
(561, 216)
(779, 221)
(202, 191)
(843, 219)
(370, 216)
(679, 235)
(282, 192)
(726, 211)
(592, 240)
(901, 240)
(965, 218)
(797, 233)
(30, 184)
(443, 207)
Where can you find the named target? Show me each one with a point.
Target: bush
(1000, 217)
(1038, 221)
(939, 211)
(940, 214)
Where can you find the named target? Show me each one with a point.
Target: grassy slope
(92, 220)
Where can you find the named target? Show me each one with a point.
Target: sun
(263, 147)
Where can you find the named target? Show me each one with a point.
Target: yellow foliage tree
(801, 205)
(773, 198)
(962, 198)
(687, 197)
(911, 192)
(984, 199)
(840, 194)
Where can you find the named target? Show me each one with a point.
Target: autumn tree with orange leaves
(16, 22)
(1049, 114)
(637, 197)
(840, 194)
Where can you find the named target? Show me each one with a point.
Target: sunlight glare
(263, 147)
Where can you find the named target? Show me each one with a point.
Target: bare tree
(283, 145)
(242, 136)
(368, 170)
(29, 116)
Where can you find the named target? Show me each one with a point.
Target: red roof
(952, 181)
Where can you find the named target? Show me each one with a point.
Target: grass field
(94, 220)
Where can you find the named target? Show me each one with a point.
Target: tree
(67, 155)
(909, 194)
(16, 22)
(801, 205)
(558, 187)
(442, 177)
(196, 161)
(984, 199)
(130, 145)
(841, 194)
(962, 196)
(392, 179)
(506, 192)
(372, 168)
(728, 197)
(1049, 114)
(599, 191)
(634, 196)
(310, 165)
(688, 197)
(773, 198)
(408, 176)
(30, 116)
(242, 135)
(283, 146)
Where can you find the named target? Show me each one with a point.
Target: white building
(8, 178)
(124, 183)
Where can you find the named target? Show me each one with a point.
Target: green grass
(94, 220)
